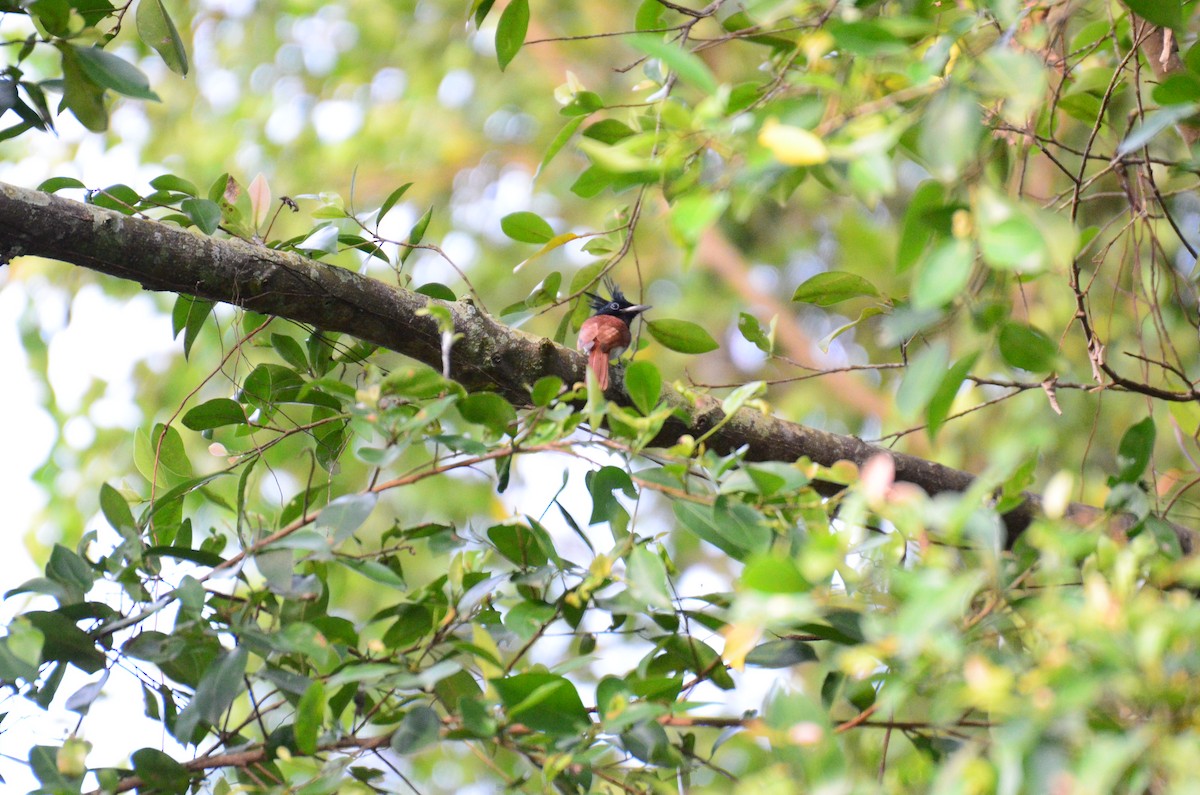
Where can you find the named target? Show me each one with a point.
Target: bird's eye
(614, 305)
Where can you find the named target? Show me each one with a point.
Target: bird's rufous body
(604, 335)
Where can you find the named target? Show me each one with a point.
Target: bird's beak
(636, 309)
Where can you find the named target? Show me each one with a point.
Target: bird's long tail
(598, 361)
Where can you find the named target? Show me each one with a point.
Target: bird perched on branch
(605, 334)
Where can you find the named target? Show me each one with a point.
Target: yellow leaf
(739, 641)
(551, 244)
(792, 146)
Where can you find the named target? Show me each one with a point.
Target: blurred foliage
(329, 569)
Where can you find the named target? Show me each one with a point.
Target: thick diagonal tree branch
(488, 356)
(1160, 47)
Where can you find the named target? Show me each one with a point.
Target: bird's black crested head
(617, 304)
(612, 305)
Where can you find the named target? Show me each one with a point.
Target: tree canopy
(892, 493)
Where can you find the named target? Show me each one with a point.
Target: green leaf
(831, 287)
(183, 657)
(109, 71)
(1152, 124)
(416, 235)
(682, 336)
(418, 382)
(1133, 455)
(591, 182)
(1177, 88)
(419, 728)
(158, 771)
(753, 332)
(482, 7)
(510, 31)
(1027, 347)
(950, 133)
(344, 515)
(843, 627)
(649, 15)
(586, 277)
(1164, 534)
(771, 477)
(215, 413)
(53, 15)
(81, 94)
(740, 21)
(601, 484)
(560, 140)
(222, 683)
(55, 184)
(1014, 243)
(1017, 77)
(43, 585)
(437, 290)
(121, 198)
(205, 214)
(741, 395)
(271, 384)
(391, 200)
(736, 532)
(921, 379)
(694, 213)
(608, 131)
(43, 760)
(920, 223)
(683, 653)
(527, 619)
(1018, 237)
(185, 553)
(688, 65)
(947, 390)
(943, 275)
(518, 543)
(310, 714)
(644, 385)
(545, 390)
(66, 568)
(1164, 13)
(15, 663)
(116, 510)
(412, 622)
(156, 29)
(526, 227)
(873, 176)
(543, 702)
(781, 654)
(773, 575)
(648, 741)
(867, 38)
(290, 351)
(646, 579)
(170, 182)
(65, 642)
(584, 103)
(161, 456)
(490, 410)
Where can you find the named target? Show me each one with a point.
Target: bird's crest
(600, 302)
